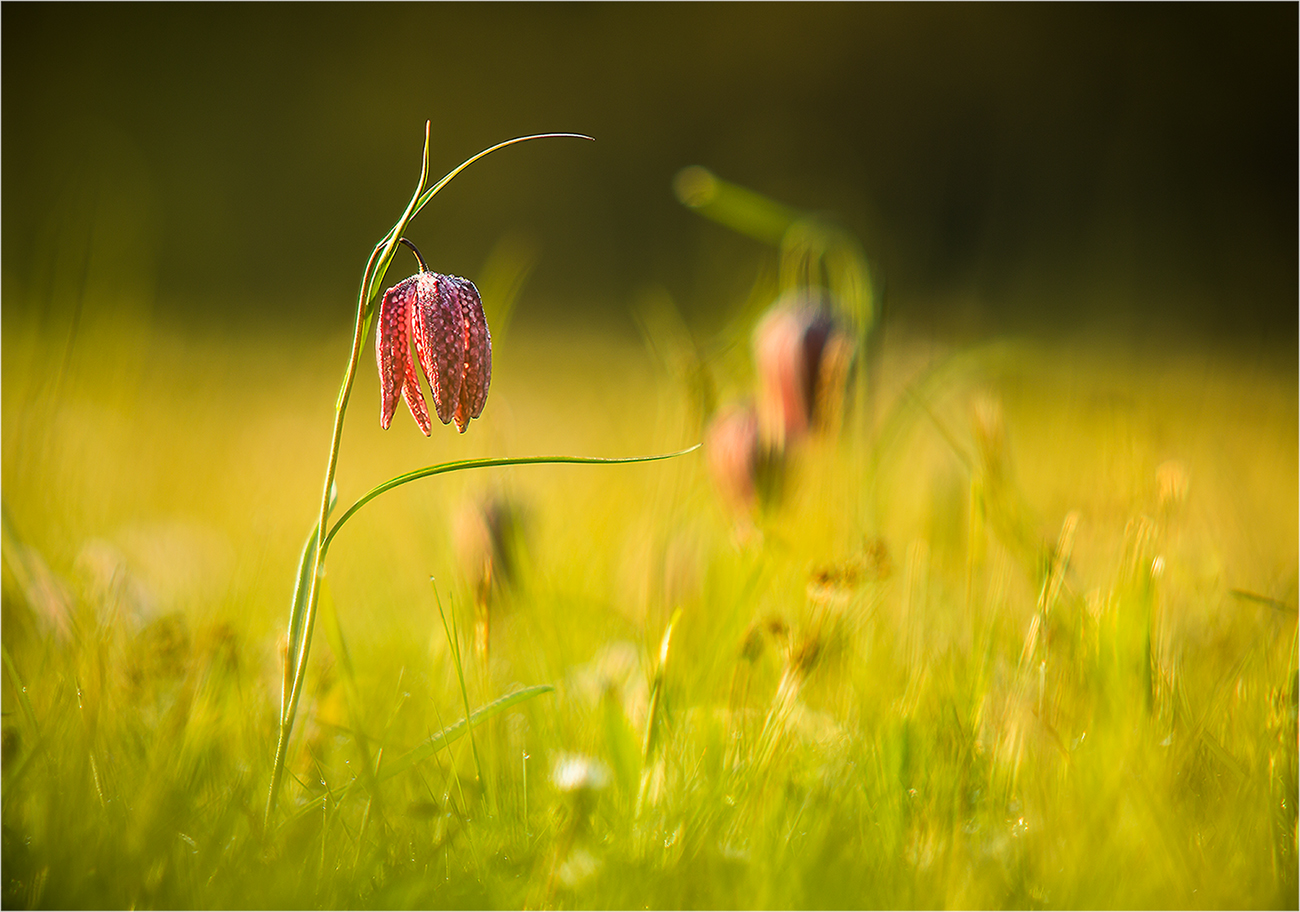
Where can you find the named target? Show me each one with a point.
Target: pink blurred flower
(747, 471)
(731, 445)
(803, 355)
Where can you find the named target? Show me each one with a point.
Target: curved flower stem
(415, 250)
(371, 281)
(289, 701)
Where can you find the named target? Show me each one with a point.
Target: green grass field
(1023, 635)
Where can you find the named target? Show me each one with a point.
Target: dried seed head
(804, 656)
(753, 644)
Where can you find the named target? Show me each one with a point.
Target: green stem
(371, 282)
(382, 252)
(299, 661)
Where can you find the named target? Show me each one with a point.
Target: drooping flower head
(443, 315)
(748, 471)
(803, 352)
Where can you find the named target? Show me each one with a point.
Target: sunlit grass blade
(457, 730)
(432, 191)
(423, 196)
(651, 738)
(297, 615)
(656, 690)
(298, 610)
(384, 250)
(20, 690)
(462, 464)
(295, 658)
(453, 640)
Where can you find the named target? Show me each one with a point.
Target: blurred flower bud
(731, 446)
(803, 355)
(488, 535)
(747, 472)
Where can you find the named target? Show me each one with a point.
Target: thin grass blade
(383, 255)
(459, 729)
(453, 640)
(20, 690)
(298, 611)
(462, 464)
(297, 614)
(432, 191)
(391, 239)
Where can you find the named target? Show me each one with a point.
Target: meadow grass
(1024, 635)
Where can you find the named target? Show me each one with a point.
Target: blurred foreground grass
(1025, 636)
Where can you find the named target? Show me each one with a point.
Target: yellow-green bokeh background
(1081, 219)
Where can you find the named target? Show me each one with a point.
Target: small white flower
(578, 772)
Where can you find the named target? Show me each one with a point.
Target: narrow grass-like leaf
(453, 640)
(443, 468)
(382, 255)
(389, 244)
(422, 198)
(651, 737)
(20, 689)
(656, 690)
(298, 610)
(295, 657)
(457, 730)
(432, 191)
(297, 614)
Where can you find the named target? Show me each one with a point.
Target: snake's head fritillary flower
(443, 316)
(748, 472)
(732, 446)
(803, 354)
